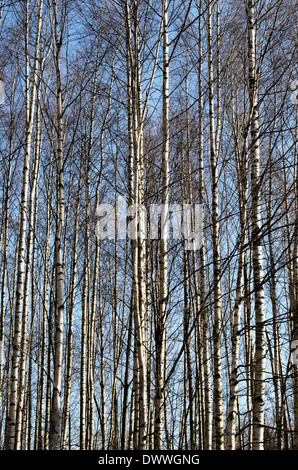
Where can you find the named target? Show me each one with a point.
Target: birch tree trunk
(28, 274)
(235, 327)
(138, 244)
(30, 107)
(163, 258)
(217, 398)
(85, 309)
(6, 210)
(260, 355)
(241, 164)
(207, 424)
(55, 428)
(71, 307)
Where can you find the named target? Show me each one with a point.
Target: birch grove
(149, 225)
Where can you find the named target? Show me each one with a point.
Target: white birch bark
(217, 397)
(138, 245)
(6, 210)
(28, 275)
(260, 354)
(207, 424)
(163, 258)
(55, 428)
(30, 107)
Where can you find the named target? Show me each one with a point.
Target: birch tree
(55, 431)
(30, 110)
(260, 358)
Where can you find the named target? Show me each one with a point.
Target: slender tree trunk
(30, 106)
(28, 275)
(55, 430)
(85, 308)
(71, 307)
(6, 210)
(217, 396)
(207, 425)
(260, 358)
(138, 243)
(241, 163)
(160, 332)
